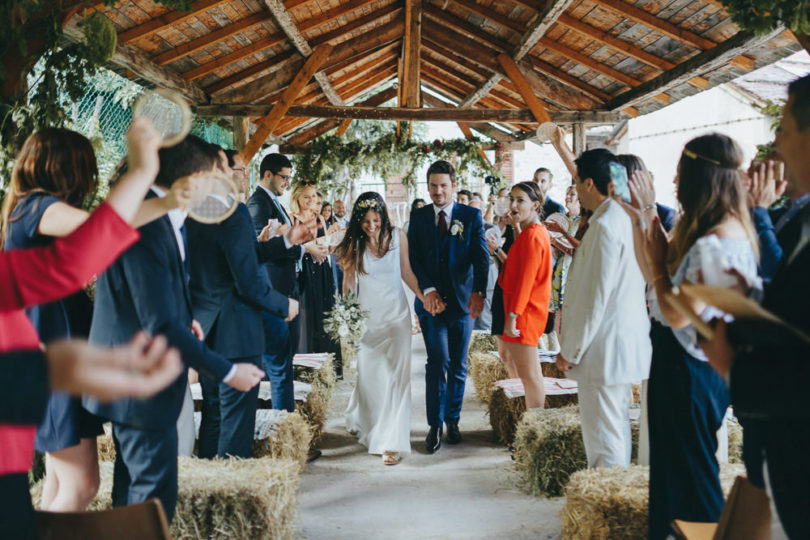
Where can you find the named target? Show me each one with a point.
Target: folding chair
(142, 521)
(746, 516)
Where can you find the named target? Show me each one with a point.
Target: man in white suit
(605, 329)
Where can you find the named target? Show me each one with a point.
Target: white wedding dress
(379, 410)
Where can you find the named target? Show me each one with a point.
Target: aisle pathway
(465, 491)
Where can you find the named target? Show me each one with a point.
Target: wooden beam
(269, 123)
(260, 88)
(412, 53)
(589, 62)
(261, 67)
(449, 21)
(465, 129)
(356, 24)
(608, 39)
(166, 20)
(474, 51)
(239, 54)
(421, 114)
(659, 25)
(323, 127)
(344, 126)
(547, 17)
(513, 72)
(579, 139)
(241, 132)
(745, 63)
(703, 62)
(126, 57)
(568, 79)
(287, 25)
(180, 51)
(491, 15)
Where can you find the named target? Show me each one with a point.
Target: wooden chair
(142, 521)
(746, 516)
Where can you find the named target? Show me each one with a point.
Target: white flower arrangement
(346, 321)
(457, 229)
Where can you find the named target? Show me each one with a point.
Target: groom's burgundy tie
(441, 226)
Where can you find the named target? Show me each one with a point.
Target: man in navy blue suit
(450, 258)
(147, 288)
(229, 293)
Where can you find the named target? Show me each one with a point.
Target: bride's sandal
(391, 458)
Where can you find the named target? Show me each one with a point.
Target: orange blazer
(526, 277)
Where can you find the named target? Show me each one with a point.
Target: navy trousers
(446, 337)
(686, 405)
(228, 418)
(277, 359)
(16, 513)
(145, 466)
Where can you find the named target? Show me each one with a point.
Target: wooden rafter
(260, 88)
(287, 25)
(447, 20)
(491, 15)
(588, 62)
(411, 47)
(220, 34)
(536, 31)
(166, 20)
(513, 72)
(703, 62)
(568, 79)
(126, 57)
(265, 67)
(356, 24)
(231, 58)
(659, 25)
(312, 65)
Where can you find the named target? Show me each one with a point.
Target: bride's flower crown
(370, 204)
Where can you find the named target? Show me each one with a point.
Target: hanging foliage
(762, 16)
(335, 163)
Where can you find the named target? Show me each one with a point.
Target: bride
(374, 257)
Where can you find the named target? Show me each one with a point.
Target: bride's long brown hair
(352, 248)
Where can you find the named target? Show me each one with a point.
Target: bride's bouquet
(346, 321)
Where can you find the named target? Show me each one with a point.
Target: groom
(449, 256)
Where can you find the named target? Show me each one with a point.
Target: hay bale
(223, 499)
(614, 502)
(105, 444)
(549, 369)
(504, 414)
(313, 410)
(482, 341)
(735, 440)
(323, 380)
(484, 369)
(548, 449)
(289, 438)
(236, 498)
(635, 396)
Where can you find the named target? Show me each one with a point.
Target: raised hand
(247, 376)
(299, 234)
(764, 188)
(143, 142)
(656, 246)
(642, 191)
(180, 193)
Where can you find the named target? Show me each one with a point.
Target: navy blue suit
(280, 266)
(229, 291)
(146, 288)
(456, 266)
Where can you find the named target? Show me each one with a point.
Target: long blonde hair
(710, 190)
(297, 191)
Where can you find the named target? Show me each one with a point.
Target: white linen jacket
(605, 329)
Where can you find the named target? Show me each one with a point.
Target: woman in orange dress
(526, 284)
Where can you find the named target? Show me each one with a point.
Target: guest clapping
(526, 283)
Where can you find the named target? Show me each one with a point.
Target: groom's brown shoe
(433, 441)
(453, 434)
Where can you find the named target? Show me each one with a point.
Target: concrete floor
(465, 491)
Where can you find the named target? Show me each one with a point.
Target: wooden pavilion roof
(587, 60)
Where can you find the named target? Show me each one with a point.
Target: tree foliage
(761, 16)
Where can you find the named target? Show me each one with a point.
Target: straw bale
(236, 498)
(505, 413)
(484, 369)
(636, 394)
(105, 445)
(614, 502)
(735, 440)
(548, 449)
(313, 410)
(289, 439)
(482, 342)
(323, 380)
(549, 369)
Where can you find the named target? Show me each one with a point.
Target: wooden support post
(341, 131)
(241, 132)
(411, 58)
(580, 140)
(535, 105)
(313, 63)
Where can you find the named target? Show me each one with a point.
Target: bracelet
(648, 207)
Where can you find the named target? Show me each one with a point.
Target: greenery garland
(333, 162)
(761, 16)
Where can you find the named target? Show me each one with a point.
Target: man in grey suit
(605, 344)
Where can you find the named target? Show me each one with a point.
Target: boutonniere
(457, 229)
